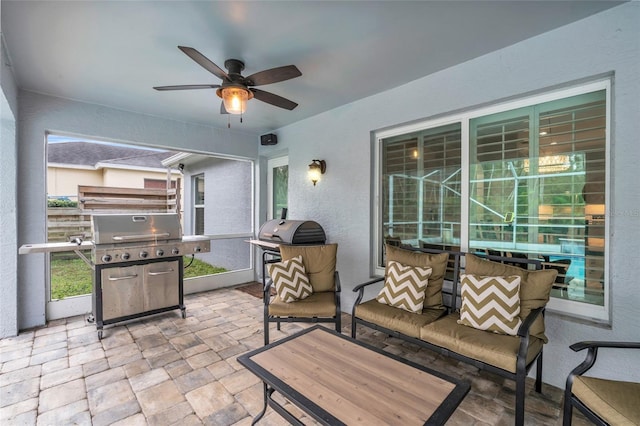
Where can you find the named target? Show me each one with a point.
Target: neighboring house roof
(96, 154)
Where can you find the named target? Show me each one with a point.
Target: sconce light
(316, 169)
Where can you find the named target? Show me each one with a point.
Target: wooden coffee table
(341, 381)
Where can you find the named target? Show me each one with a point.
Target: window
(526, 179)
(278, 186)
(158, 183)
(198, 204)
(421, 186)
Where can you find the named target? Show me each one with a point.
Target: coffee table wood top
(337, 379)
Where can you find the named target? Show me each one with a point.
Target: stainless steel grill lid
(128, 228)
(293, 232)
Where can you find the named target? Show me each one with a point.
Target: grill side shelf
(54, 247)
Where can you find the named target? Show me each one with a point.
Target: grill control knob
(106, 258)
(126, 256)
(143, 254)
(175, 251)
(197, 249)
(159, 252)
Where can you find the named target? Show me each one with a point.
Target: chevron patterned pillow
(290, 279)
(490, 303)
(404, 286)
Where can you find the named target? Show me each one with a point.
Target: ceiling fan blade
(272, 99)
(188, 87)
(273, 75)
(204, 62)
(223, 110)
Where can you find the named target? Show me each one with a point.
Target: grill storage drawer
(121, 291)
(297, 232)
(161, 285)
(135, 289)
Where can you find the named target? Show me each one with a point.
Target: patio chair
(602, 401)
(290, 303)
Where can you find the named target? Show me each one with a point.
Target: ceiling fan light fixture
(235, 99)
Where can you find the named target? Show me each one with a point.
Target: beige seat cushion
(319, 263)
(618, 403)
(397, 319)
(499, 350)
(535, 286)
(438, 264)
(321, 305)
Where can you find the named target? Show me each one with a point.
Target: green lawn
(73, 277)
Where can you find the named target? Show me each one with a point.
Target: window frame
(597, 313)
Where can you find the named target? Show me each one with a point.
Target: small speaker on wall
(269, 139)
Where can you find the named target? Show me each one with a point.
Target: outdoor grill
(274, 233)
(292, 232)
(137, 263)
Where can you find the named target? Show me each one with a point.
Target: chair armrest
(598, 344)
(266, 291)
(360, 287)
(523, 331)
(523, 335)
(360, 290)
(592, 355)
(336, 278)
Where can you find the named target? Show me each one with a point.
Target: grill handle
(140, 237)
(128, 277)
(272, 236)
(153, 274)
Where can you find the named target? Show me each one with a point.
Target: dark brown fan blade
(188, 87)
(273, 75)
(204, 62)
(223, 110)
(272, 99)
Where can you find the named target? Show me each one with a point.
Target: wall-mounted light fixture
(316, 169)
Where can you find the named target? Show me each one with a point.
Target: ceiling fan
(235, 89)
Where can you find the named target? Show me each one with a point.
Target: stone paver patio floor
(165, 370)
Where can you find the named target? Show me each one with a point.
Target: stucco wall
(8, 240)
(132, 178)
(63, 182)
(39, 114)
(227, 207)
(8, 202)
(342, 202)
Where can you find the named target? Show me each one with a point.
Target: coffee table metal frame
(272, 383)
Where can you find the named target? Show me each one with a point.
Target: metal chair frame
(570, 400)
(452, 304)
(266, 291)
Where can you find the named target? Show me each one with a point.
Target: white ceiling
(112, 52)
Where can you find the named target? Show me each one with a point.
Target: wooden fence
(104, 199)
(65, 222)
